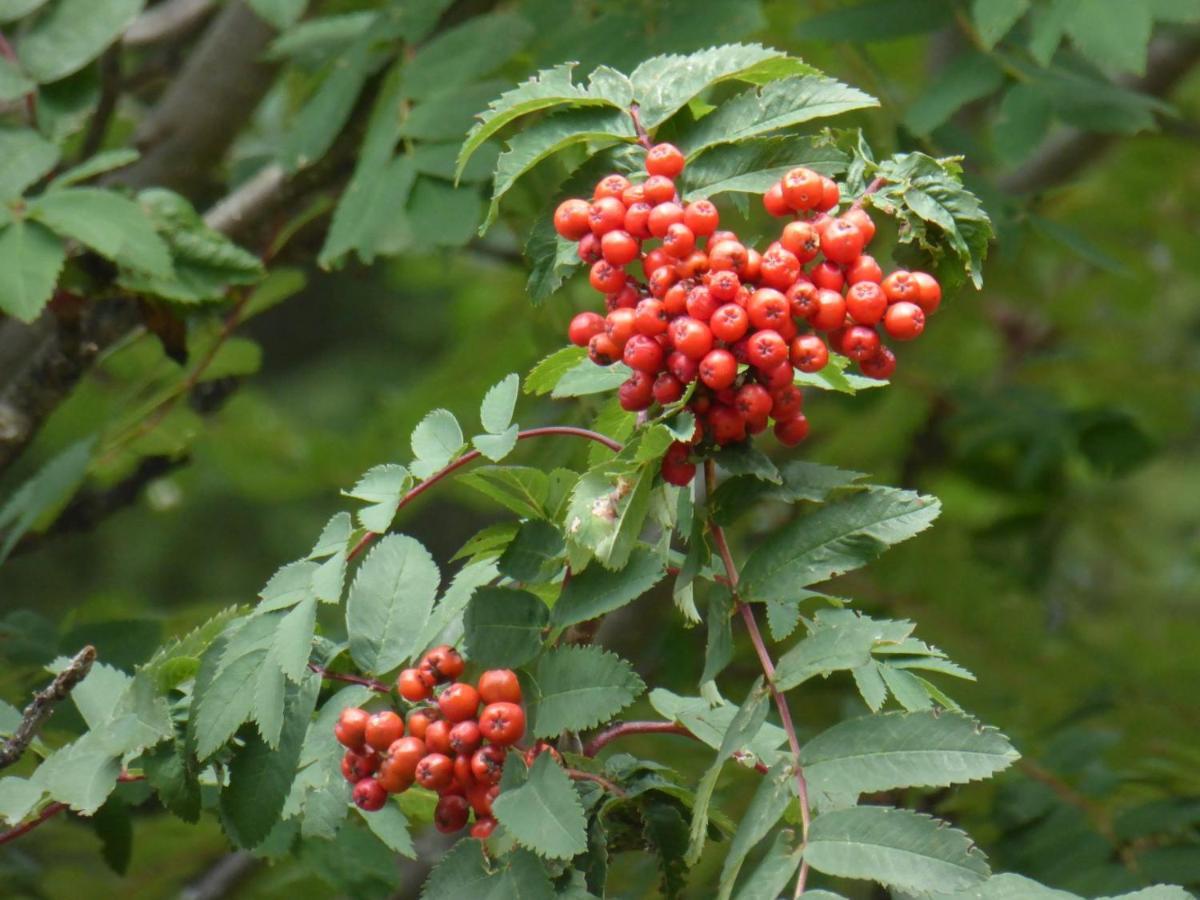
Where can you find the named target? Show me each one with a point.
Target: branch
(166, 22)
(222, 878)
(1064, 155)
(243, 206)
(621, 729)
(613, 789)
(42, 705)
(377, 686)
(50, 812)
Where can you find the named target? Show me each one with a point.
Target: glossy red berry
(607, 278)
(664, 159)
(635, 193)
(801, 240)
(864, 269)
(718, 369)
(571, 219)
(729, 323)
(900, 285)
(650, 317)
(691, 337)
(437, 736)
(351, 727)
(611, 186)
(831, 194)
(483, 827)
(753, 401)
(676, 469)
(724, 285)
(667, 388)
(802, 189)
(382, 729)
(419, 720)
(369, 795)
(502, 723)
(904, 321)
(860, 342)
(791, 432)
(435, 771)
(809, 353)
(662, 279)
(802, 299)
(606, 214)
(643, 354)
(767, 349)
(701, 217)
(584, 327)
(779, 268)
(589, 248)
(465, 737)
(394, 777)
(414, 685)
(659, 189)
(929, 292)
(774, 202)
(727, 254)
(405, 753)
(637, 392)
(727, 424)
(619, 247)
(459, 702)
(496, 685)
(487, 764)
(701, 303)
(603, 351)
(866, 302)
(679, 241)
(842, 242)
(621, 325)
(451, 814)
(776, 377)
(828, 276)
(881, 365)
(767, 308)
(637, 220)
(357, 766)
(865, 223)
(683, 367)
(831, 311)
(663, 216)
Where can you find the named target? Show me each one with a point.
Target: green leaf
(13, 83)
(369, 218)
(800, 481)
(1021, 123)
(383, 487)
(521, 489)
(464, 872)
(751, 166)
(771, 798)
(746, 459)
(30, 260)
(108, 223)
(283, 14)
(969, 77)
(503, 627)
(498, 404)
(835, 538)
(11, 10)
(544, 814)
(260, 776)
(390, 602)
(777, 868)
(10, 718)
(895, 750)
(607, 512)
(711, 723)
(1111, 37)
(445, 624)
(535, 553)
(435, 441)
(169, 771)
(549, 136)
(597, 591)
(663, 85)
(837, 640)
(72, 33)
(745, 724)
(551, 260)
(896, 847)
(464, 53)
(543, 90)
(776, 105)
(497, 446)
(113, 827)
(441, 215)
(580, 687)
(995, 18)
(549, 371)
(876, 20)
(587, 378)
(18, 797)
(104, 161)
(81, 774)
(49, 489)
(326, 113)
(318, 38)
(390, 825)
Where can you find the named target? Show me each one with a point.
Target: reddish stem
(871, 189)
(576, 775)
(49, 813)
(8, 53)
(642, 134)
(621, 729)
(374, 685)
(768, 667)
(371, 536)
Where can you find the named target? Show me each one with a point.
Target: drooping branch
(42, 706)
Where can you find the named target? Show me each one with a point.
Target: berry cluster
(446, 745)
(718, 313)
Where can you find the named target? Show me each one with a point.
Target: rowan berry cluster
(716, 313)
(446, 744)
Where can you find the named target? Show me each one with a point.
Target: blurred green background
(1056, 413)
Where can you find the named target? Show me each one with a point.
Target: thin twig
(110, 93)
(768, 667)
(377, 686)
(50, 812)
(871, 189)
(622, 729)
(42, 705)
(642, 134)
(613, 789)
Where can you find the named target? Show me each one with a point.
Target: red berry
(606, 214)
(801, 240)
(866, 302)
(679, 241)
(790, 432)
(667, 388)
(635, 193)
(864, 269)
(664, 159)
(802, 299)
(621, 325)
(637, 392)
(656, 259)
(774, 202)
(405, 753)
(767, 349)
(437, 736)
(393, 777)
(753, 401)
(802, 189)
(701, 217)
(502, 723)
(831, 311)
(459, 702)
(724, 284)
(901, 285)
(451, 814)
(499, 684)
(809, 353)
(571, 219)
(828, 276)
(650, 317)
(929, 292)
(726, 254)
(435, 771)
(603, 351)
(419, 720)
(786, 402)
(842, 242)
(357, 766)
(729, 323)
(382, 729)
(607, 278)
(584, 327)
(663, 216)
(727, 424)
(369, 795)
(637, 218)
(659, 189)
(676, 469)
(694, 264)
(904, 321)
(831, 195)
(465, 737)
(483, 827)
(752, 269)
(860, 342)
(701, 303)
(865, 224)
(881, 365)
(611, 186)
(487, 764)
(643, 353)
(768, 308)
(619, 247)
(446, 662)
(589, 248)
(779, 268)
(718, 369)
(683, 367)
(690, 337)
(351, 727)
(414, 685)
(661, 280)
(775, 378)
